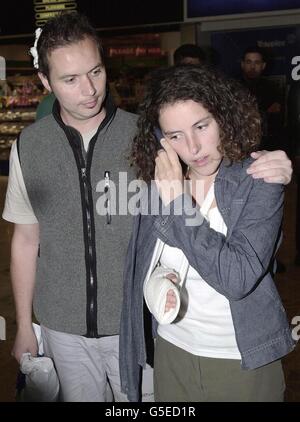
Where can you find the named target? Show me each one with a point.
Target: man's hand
(24, 251)
(272, 166)
(168, 173)
(25, 342)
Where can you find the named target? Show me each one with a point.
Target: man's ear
(44, 81)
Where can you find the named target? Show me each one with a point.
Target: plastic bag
(41, 381)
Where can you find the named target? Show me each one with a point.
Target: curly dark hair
(64, 29)
(232, 106)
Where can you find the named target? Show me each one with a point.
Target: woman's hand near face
(168, 173)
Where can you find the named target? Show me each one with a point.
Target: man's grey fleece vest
(63, 285)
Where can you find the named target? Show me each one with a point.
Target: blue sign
(203, 8)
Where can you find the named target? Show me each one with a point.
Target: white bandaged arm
(155, 294)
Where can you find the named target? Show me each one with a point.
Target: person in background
(67, 251)
(45, 106)
(268, 96)
(189, 54)
(293, 113)
(225, 341)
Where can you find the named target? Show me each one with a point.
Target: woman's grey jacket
(236, 265)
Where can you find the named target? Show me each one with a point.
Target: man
(67, 256)
(77, 257)
(267, 94)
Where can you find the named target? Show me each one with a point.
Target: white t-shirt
(206, 329)
(17, 208)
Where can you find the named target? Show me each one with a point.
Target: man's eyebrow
(101, 65)
(71, 75)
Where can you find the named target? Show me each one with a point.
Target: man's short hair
(255, 49)
(64, 29)
(186, 51)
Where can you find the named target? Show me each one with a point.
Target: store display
(11, 124)
(17, 110)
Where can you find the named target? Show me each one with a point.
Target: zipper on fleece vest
(76, 143)
(91, 288)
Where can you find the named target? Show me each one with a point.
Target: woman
(222, 229)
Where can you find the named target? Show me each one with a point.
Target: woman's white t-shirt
(206, 327)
